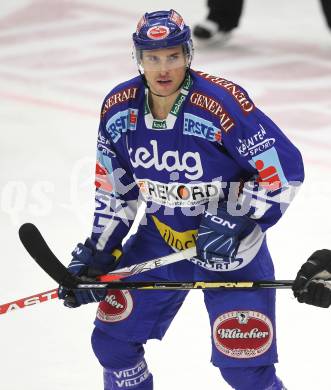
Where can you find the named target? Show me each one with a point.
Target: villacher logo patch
(243, 334)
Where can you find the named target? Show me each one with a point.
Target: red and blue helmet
(162, 29)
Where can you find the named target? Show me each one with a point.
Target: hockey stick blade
(38, 249)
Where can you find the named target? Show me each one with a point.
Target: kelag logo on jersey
(179, 194)
(177, 240)
(159, 124)
(194, 125)
(170, 160)
(179, 101)
(271, 175)
(121, 122)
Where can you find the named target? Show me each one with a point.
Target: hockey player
(311, 285)
(214, 172)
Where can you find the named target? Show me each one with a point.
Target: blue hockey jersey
(214, 144)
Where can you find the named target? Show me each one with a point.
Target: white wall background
(57, 61)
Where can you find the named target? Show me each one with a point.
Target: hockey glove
(87, 262)
(311, 285)
(219, 236)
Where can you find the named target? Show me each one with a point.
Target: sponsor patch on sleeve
(255, 144)
(121, 122)
(240, 97)
(199, 127)
(117, 98)
(103, 170)
(209, 104)
(271, 174)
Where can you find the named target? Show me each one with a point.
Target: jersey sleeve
(116, 193)
(274, 164)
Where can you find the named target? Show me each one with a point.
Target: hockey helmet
(160, 30)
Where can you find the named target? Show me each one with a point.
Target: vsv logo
(170, 160)
(194, 125)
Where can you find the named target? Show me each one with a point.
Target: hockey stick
(44, 257)
(52, 294)
(82, 285)
(41, 253)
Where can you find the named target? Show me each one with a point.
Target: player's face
(164, 69)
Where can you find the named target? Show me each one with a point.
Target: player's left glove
(89, 263)
(310, 285)
(219, 235)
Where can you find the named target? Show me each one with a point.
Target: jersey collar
(169, 122)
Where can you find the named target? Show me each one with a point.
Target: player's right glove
(88, 262)
(311, 285)
(219, 236)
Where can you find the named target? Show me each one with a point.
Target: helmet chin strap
(156, 94)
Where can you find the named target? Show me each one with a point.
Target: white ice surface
(57, 61)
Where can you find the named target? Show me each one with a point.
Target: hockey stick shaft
(28, 301)
(148, 265)
(52, 294)
(204, 285)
